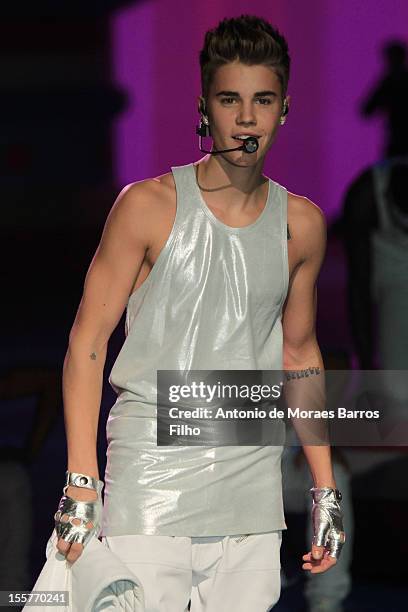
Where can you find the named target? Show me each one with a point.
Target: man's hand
(73, 550)
(328, 532)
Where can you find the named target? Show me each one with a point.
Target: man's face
(244, 99)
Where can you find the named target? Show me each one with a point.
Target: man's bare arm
(107, 287)
(300, 347)
(301, 352)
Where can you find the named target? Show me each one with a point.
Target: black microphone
(249, 145)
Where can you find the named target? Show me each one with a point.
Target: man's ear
(201, 105)
(287, 98)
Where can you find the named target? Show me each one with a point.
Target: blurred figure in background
(390, 97)
(374, 226)
(375, 233)
(375, 229)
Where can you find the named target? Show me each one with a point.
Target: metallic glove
(86, 512)
(327, 520)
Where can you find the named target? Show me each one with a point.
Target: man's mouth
(243, 137)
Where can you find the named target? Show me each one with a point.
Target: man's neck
(236, 184)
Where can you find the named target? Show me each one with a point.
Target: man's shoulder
(307, 227)
(147, 196)
(305, 213)
(153, 188)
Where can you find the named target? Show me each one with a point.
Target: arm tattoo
(92, 356)
(301, 373)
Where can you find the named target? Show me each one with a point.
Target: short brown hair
(249, 39)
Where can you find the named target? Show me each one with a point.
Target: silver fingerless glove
(327, 520)
(86, 512)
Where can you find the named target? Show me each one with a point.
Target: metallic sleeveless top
(213, 300)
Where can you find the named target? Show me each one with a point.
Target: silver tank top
(213, 300)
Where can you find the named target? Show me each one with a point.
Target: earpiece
(285, 111)
(204, 127)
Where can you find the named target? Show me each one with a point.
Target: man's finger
(317, 551)
(336, 544)
(318, 566)
(75, 552)
(322, 567)
(63, 546)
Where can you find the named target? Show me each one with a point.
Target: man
(200, 258)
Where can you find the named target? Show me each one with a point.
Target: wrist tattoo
(290, 374)
(92, 356)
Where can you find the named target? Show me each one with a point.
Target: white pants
(234, 573)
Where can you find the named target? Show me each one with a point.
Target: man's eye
(263, 99)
